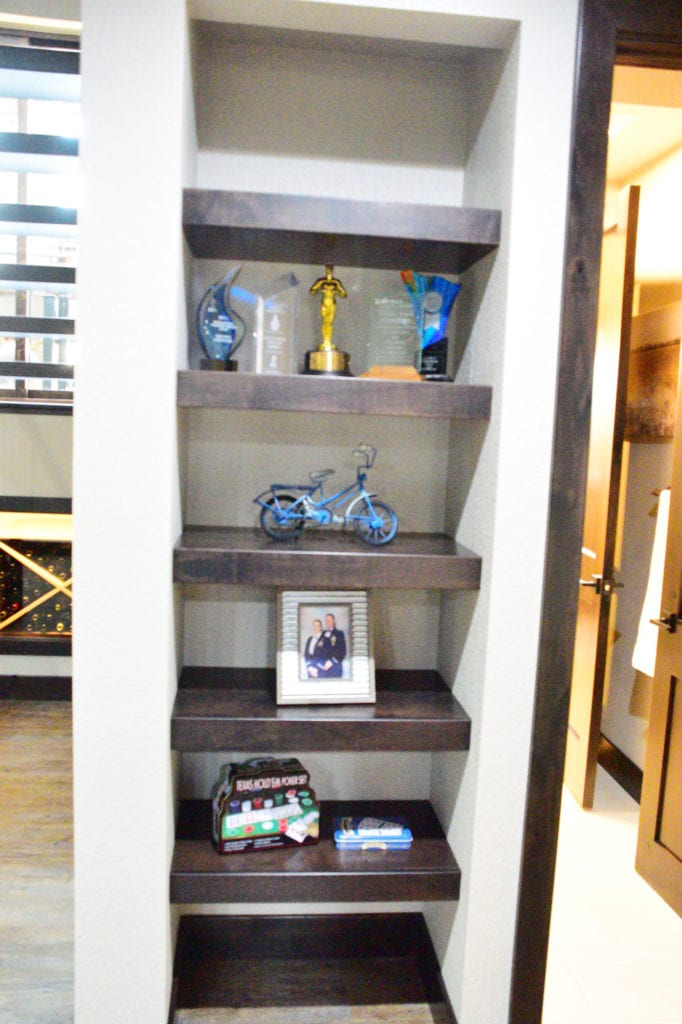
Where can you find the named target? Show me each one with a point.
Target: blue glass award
(432, 300)
(220, 329)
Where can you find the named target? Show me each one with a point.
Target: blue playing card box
(369, 833)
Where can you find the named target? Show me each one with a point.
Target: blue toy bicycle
(286, 508)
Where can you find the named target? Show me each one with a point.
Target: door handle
(668, 622)
(595, 582)
(600, 584)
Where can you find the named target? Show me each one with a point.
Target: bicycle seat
(321, 474)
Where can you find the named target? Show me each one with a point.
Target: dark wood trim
(35, 688)
(306, 229)
(427, 871)
(33, 405)
(23, 325)
(37, 274)
(224, 708)
(323, 558)
(340, 959)
(24, 58)
(298, 393)
(607, 29)
(30, 503)
(36, 646)
(619, 766)
(35, 371)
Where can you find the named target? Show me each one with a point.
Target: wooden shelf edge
(414, 711)
(344, 395)
(368, 959)
(324, 558)
(300, 213)
(314, 230)
(428, 871)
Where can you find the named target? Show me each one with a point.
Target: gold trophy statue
(326, 358)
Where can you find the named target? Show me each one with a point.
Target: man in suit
(334, 650)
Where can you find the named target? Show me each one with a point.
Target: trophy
(275, 326)
(326, 359)
(219, 328)
(432, 300)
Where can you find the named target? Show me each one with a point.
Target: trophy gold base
(218, 364)
(329, 362)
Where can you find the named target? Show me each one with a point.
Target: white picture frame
(324, 648)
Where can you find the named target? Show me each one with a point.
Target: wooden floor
(410, 1013)
(36, 863)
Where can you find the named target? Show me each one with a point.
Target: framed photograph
(324, 651)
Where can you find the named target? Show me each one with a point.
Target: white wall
(519, 161)
(134, 158)
(516, 157)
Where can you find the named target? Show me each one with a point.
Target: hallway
(615, 952)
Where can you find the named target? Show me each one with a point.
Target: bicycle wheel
(375, 522)
(274, 522)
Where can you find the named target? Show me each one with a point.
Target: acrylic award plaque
(432, 299)
(392, 332)
(219, 328)
(275, 326)
(326, 359)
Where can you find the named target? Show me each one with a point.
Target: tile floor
(615, 946)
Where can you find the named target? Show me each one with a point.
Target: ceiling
(646, 120)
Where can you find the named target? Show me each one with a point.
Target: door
(596, 601)
(659, 840)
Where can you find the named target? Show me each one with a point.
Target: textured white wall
(137, 131)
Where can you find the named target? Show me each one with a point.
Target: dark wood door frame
(644, 32)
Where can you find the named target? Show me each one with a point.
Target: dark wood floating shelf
(345, 395)
(427, 871)
(229, 708)
(318, 230)
(343, 960)
(323, 558)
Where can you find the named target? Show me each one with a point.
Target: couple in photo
(325, 649)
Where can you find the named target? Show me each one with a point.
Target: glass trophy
(392, 332)
(220, 329)
(432, 300)
(275, 326)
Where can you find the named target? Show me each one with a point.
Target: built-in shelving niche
(376, 958)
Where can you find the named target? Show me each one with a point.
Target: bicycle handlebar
(367, 452)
